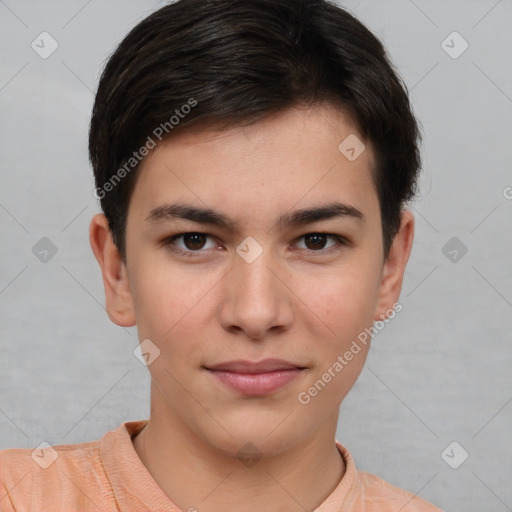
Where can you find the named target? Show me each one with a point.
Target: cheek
(338, 340)
(159, 298)
(342, 301)
(173, 306)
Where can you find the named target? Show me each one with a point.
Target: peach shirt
(107, 475)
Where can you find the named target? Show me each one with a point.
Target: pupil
(318, 241)
(194, 240)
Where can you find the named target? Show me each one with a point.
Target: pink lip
(258, 378)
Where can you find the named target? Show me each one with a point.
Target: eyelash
(189, 253)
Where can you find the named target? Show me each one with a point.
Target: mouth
(256, 378)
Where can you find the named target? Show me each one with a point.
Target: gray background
(439, 373)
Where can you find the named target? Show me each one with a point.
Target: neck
(196, 476)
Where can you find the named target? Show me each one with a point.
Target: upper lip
(248, 367)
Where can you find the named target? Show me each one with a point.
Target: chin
(257, 436)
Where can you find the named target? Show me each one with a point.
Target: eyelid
(342, 242)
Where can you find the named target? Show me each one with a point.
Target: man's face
(256, 288)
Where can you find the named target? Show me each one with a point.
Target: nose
(256, 299)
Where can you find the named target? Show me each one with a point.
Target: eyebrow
(215, 218)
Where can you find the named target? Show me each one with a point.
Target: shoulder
(385, 496)
(365, 492)
(45, 475)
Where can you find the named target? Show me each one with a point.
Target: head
(222, 120)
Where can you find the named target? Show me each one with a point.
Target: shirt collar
(132, 483)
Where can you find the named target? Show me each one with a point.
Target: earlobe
(118, 296)
(394, 267)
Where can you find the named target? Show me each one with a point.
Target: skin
(297, 301)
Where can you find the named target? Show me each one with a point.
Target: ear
(118, 295)
(394, 266)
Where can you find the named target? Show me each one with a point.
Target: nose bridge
(257, 300)
(256, 277)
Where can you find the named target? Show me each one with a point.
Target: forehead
(296, 156)
(322, 130)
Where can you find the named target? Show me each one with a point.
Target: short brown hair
(234, 63)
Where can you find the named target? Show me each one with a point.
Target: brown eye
(194, 241)
(315, 241)
(189, 244)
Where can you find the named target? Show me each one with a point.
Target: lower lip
(256, 384)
